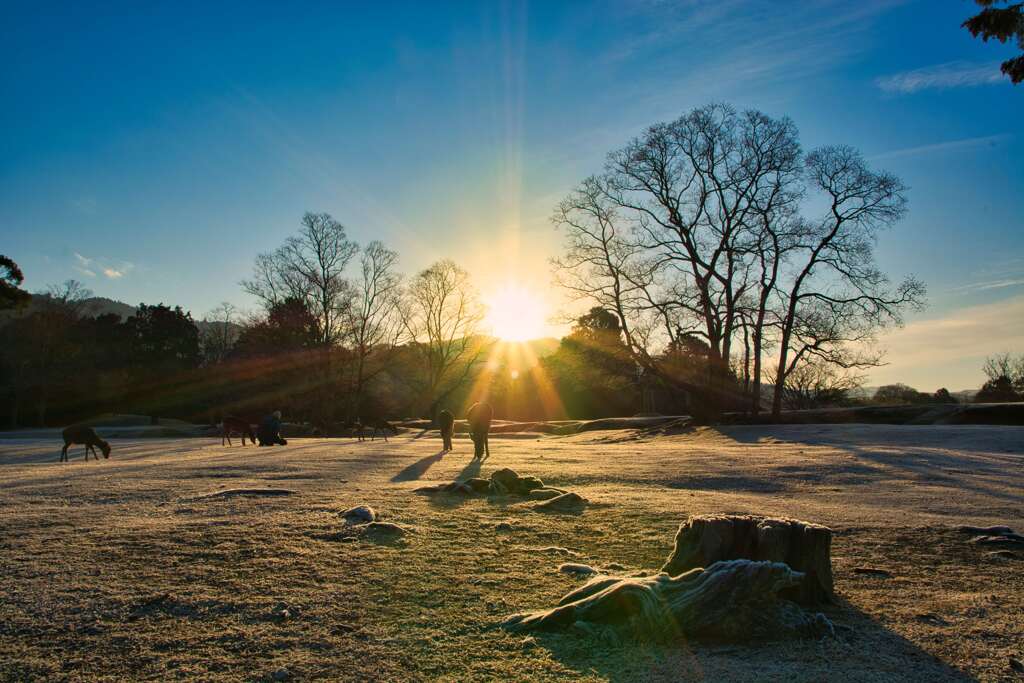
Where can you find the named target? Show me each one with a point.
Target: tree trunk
(739, 600)
(804, 547)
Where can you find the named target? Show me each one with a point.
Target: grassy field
(119, 570)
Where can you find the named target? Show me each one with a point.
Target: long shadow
(472, 469)
(922, 456)
(891, 656)
(418, 468)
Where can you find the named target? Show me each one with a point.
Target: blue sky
(151, 150)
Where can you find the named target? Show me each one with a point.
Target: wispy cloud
(83, 265)
(986, 286)
(966, 143)
(109, 268)
(942, 77)
(950, 350)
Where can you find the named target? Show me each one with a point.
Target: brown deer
(383, 427)
(236, 425)
(479, 418)
(446, 423)
(87, 437)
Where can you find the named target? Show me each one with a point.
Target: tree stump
(804, 547)
(737, 600)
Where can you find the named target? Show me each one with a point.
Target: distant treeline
(60, 362)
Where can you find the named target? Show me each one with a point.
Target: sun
(515, 313)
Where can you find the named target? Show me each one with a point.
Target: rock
(384, 530)
(478, 485)
(556, 550)
(544, 493)
(737, 600)
(578, 569)
(1017, 665)
(804, 547)
(614, 566)
(503, 526)
(567, 502)
(872, 571)
(504, 481)
(1004, 539)
(361, 514)
(1002, 555)
(281, 674)
(985, 530)
(528, 484)
(229, 493)
(457, 487)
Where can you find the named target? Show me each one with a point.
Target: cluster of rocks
(362, 521)
(1002, 538)
(506, 482)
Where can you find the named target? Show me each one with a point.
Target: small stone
(873, 571)
(1004, 539)
(361, 514)
(567, 502)
(1017, 665)
(1002, 555)
(615, 566)
(503, 526)
(985, 530)
(577, 569)
(281, 674)
(384, 530)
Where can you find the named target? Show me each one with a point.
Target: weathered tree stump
(738, 600)
(805, 547)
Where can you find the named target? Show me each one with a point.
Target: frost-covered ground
(116, 570)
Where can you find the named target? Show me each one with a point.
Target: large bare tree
(372, 319)
(441, 316)
(695, 230)
(309, 266)
(838, 297)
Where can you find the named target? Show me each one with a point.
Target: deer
(382, 426)
(87, 437)
(479, 418)
(446, 423)
(236, 425)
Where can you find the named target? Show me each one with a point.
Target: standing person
(446, 422)
(269, 432)
(479, 418)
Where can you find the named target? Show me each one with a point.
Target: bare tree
(676, 222)
(372, 316)
(817, 383)
(219, 332)
(441, 317)
(309, 266)
(837, 297)
(695, 231)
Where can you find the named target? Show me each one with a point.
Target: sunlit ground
(116, 570)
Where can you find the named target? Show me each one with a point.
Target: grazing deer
(446, 422)
(87, 437)
(236, 425)
(479, 418)
(355, 428)
(382, 426)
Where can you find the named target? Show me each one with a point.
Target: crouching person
(269, 432)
